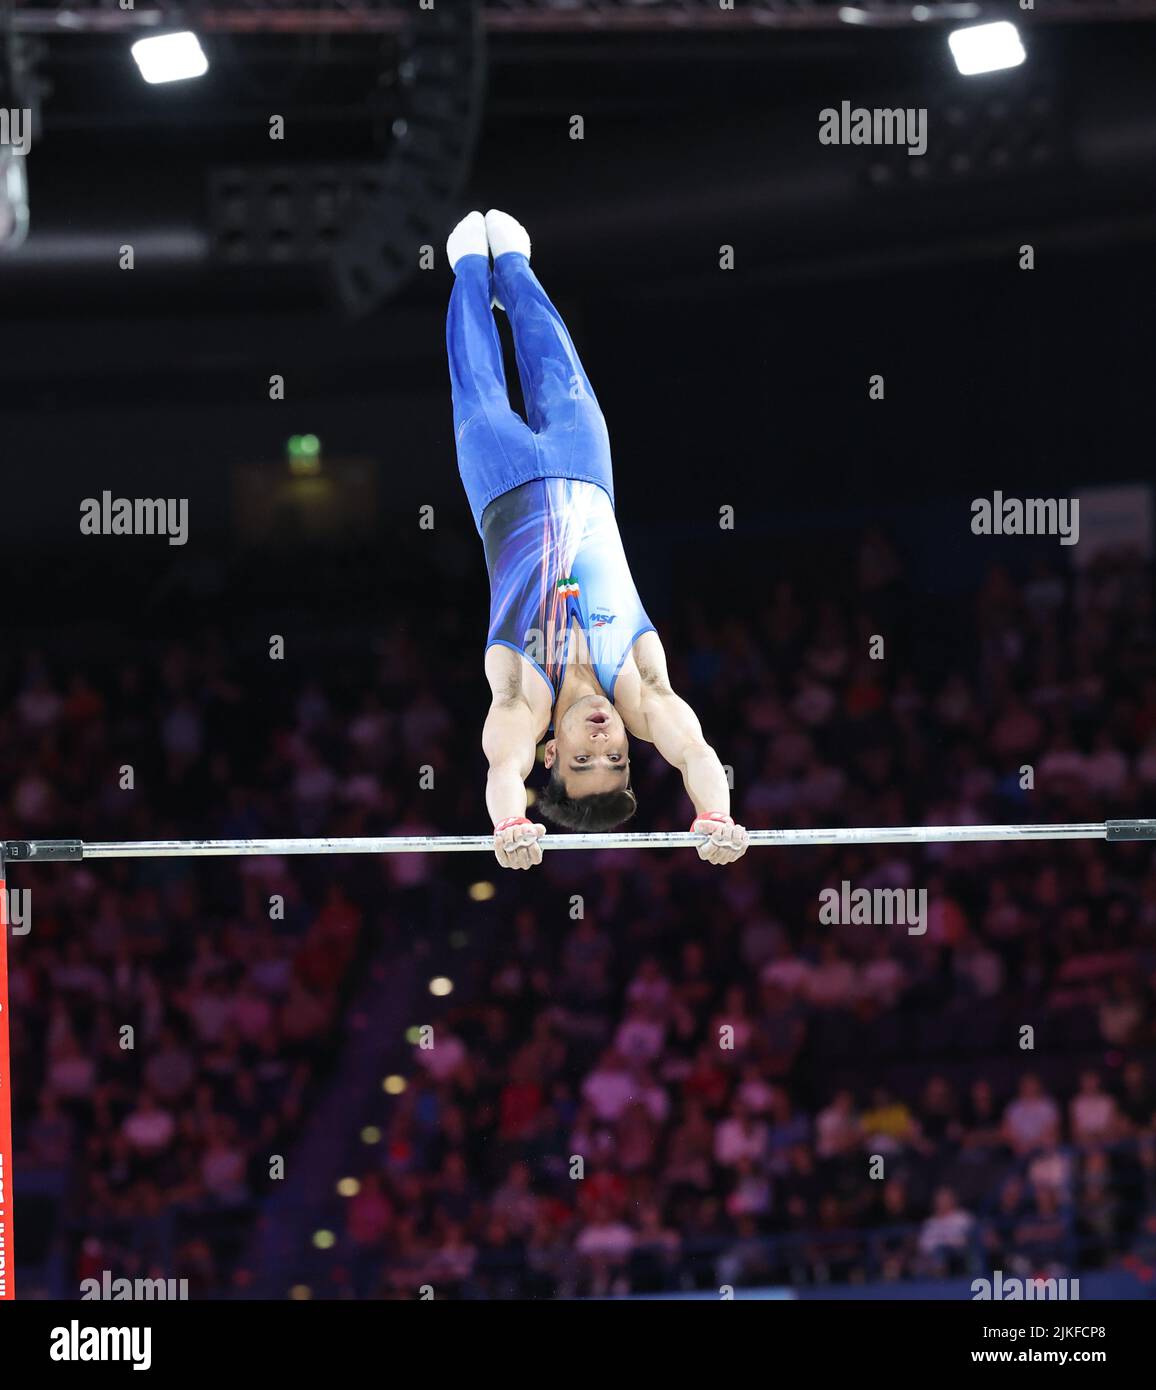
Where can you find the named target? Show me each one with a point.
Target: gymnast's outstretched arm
(673, 727)
(509, 741)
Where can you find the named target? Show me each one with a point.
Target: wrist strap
(720, 816)
(510, 820)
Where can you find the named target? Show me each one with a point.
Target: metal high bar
(63, 851)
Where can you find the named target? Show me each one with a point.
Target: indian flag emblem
(568, 588)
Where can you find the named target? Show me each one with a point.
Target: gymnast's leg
(495, 447)
(557, 391)
(477, 374)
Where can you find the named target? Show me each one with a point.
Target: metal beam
(17, 851)
(532, 17)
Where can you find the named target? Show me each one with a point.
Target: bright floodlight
(986, 48)
(170, 57)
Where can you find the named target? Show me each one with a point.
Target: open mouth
(598, 717)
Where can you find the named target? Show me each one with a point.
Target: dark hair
(598, 811)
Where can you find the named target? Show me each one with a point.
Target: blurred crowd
(651, 1075)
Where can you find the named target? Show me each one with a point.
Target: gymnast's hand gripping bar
(63, 851)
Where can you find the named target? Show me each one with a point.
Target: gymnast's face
(590, 750)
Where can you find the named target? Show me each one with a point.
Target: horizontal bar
(46, 850)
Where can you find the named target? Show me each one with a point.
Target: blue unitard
(542, 492)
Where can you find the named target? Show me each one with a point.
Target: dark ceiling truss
(546, 16)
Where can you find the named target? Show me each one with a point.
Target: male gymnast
(570, 650)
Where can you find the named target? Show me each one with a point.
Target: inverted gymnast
(570, 649)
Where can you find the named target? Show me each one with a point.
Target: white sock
(468, 238)
(505, 234)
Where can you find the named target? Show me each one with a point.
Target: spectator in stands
(1032, 1120)
(837, 1128)
(1093, 1115)
(740, 1136)
(945, 1236)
